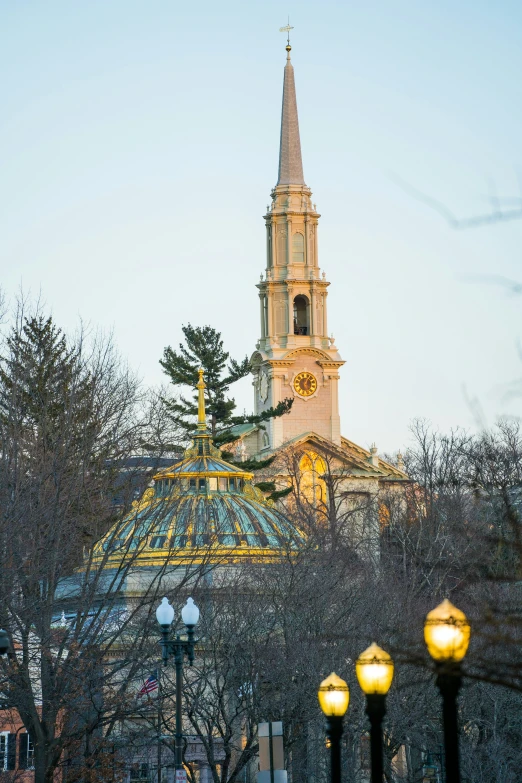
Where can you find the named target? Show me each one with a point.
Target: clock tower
(295, 357)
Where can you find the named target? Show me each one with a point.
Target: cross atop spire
(290, 162)
(286, 29)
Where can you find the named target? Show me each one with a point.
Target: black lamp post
(5, 645)
(374, 669)
(334, 697)
(430, 769)
(447, 633)
(177, 648)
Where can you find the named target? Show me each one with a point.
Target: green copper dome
(201, 508)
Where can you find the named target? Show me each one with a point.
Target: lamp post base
(334, 732)
(449, 682)
(376, 710)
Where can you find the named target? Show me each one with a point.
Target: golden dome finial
(201, 386)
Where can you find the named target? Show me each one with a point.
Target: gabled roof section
(241, 430)
(348, 453)
(313, 440)
(391, 470)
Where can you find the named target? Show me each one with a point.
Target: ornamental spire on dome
(290, 162)
(202, 445)
(202, 419)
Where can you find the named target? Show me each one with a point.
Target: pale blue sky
(139, 144)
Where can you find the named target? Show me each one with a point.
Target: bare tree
(502, 209)
(452, 530)
(70, 416)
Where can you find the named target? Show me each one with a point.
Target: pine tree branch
(275, 412)
(282, 493)
(266, 486)
(238, 370)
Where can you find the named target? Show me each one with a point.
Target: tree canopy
(70, 415)
(42, 380)
(204, 348)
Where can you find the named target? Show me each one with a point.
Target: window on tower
(298, 249)
(301, 315)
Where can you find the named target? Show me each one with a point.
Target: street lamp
(429, 769)
(374, 669)
(447, 633)
(334, 698)
(177, 648)
(5, 645)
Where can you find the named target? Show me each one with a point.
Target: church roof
(290, 161)
(348, 452)
(390, 470)
(240, 430)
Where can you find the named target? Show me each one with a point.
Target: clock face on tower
(305, 384)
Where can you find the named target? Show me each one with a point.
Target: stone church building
(295, 357)
(203, 498)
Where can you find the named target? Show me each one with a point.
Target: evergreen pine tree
(44, 390)
(204, 348)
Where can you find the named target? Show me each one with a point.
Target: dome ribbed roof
(208, 526)
(201, 508)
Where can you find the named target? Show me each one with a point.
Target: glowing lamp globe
(374, 669)
(446, 633)
(334, 696)
(190, 613)
(165, 613)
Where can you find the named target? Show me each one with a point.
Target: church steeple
(296, 307)
(295, 356)
(290, 161)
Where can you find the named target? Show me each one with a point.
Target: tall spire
(290, 162)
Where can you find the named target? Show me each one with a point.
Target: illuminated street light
(334, 698)
(447, 633)
(374, 669)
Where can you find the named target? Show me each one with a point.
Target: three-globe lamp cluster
(447, 634)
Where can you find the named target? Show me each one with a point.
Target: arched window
(301, 315)
(298, 249)
(312, 484)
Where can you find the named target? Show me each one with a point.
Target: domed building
(197, 525)
(203, 516)
(204, 502)
(199, 510)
